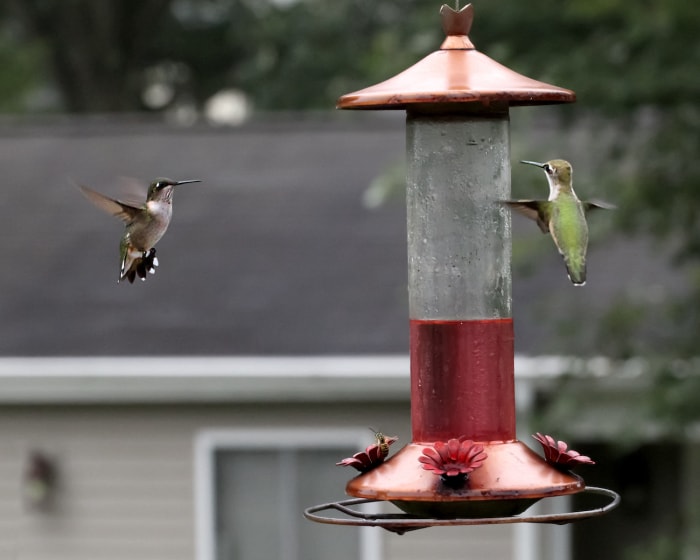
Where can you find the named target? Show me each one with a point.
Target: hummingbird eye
(548, 169)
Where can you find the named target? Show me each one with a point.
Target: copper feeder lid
(457, 73)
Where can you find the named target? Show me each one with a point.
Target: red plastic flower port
(368, 459)
(557, 454)
(453, 460)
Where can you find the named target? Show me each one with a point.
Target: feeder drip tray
(401, 523)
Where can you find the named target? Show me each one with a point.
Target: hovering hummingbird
(563, 215)
(144, 226)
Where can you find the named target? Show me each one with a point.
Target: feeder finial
(457, 24)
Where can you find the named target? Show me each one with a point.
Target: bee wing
(124, 212)
(537, 210)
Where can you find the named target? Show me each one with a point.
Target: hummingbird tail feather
(140, 266)
(577, 274)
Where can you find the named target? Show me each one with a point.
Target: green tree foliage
(635, 66)
(95, 50)
(283, 54)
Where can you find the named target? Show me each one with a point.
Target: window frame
(210, 441)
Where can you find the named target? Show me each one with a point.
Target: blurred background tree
(130, 55)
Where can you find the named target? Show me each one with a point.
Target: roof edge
(211, 380)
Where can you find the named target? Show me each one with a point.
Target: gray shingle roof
(274, 253)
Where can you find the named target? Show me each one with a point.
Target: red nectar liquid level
(462, 380)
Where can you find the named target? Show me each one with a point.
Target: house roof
(274, 253)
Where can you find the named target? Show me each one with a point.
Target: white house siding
(124, 489)
(127, 479)
(454, 543)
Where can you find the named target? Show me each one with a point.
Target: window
(253, 485)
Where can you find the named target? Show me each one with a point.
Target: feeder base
(512, 479)
(402, 523)
(467, 509)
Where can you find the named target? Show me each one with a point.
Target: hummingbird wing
(537, 210)
(597, 204)
(121, 210)
(131, 191)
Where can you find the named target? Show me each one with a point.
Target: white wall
(126, 480)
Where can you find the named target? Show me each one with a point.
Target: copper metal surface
(401, 523)
(510, 480)
(457, 73)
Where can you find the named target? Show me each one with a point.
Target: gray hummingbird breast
(145, 233)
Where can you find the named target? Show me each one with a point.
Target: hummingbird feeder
(464, 464)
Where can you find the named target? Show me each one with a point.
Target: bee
(381, 442)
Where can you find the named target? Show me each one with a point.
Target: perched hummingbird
(144, 226)
(563, 216)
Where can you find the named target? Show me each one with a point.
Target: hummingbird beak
(533, 163)
(188, 181)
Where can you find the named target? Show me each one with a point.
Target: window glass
(259, 499)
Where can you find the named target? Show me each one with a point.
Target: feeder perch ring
(401, 522)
